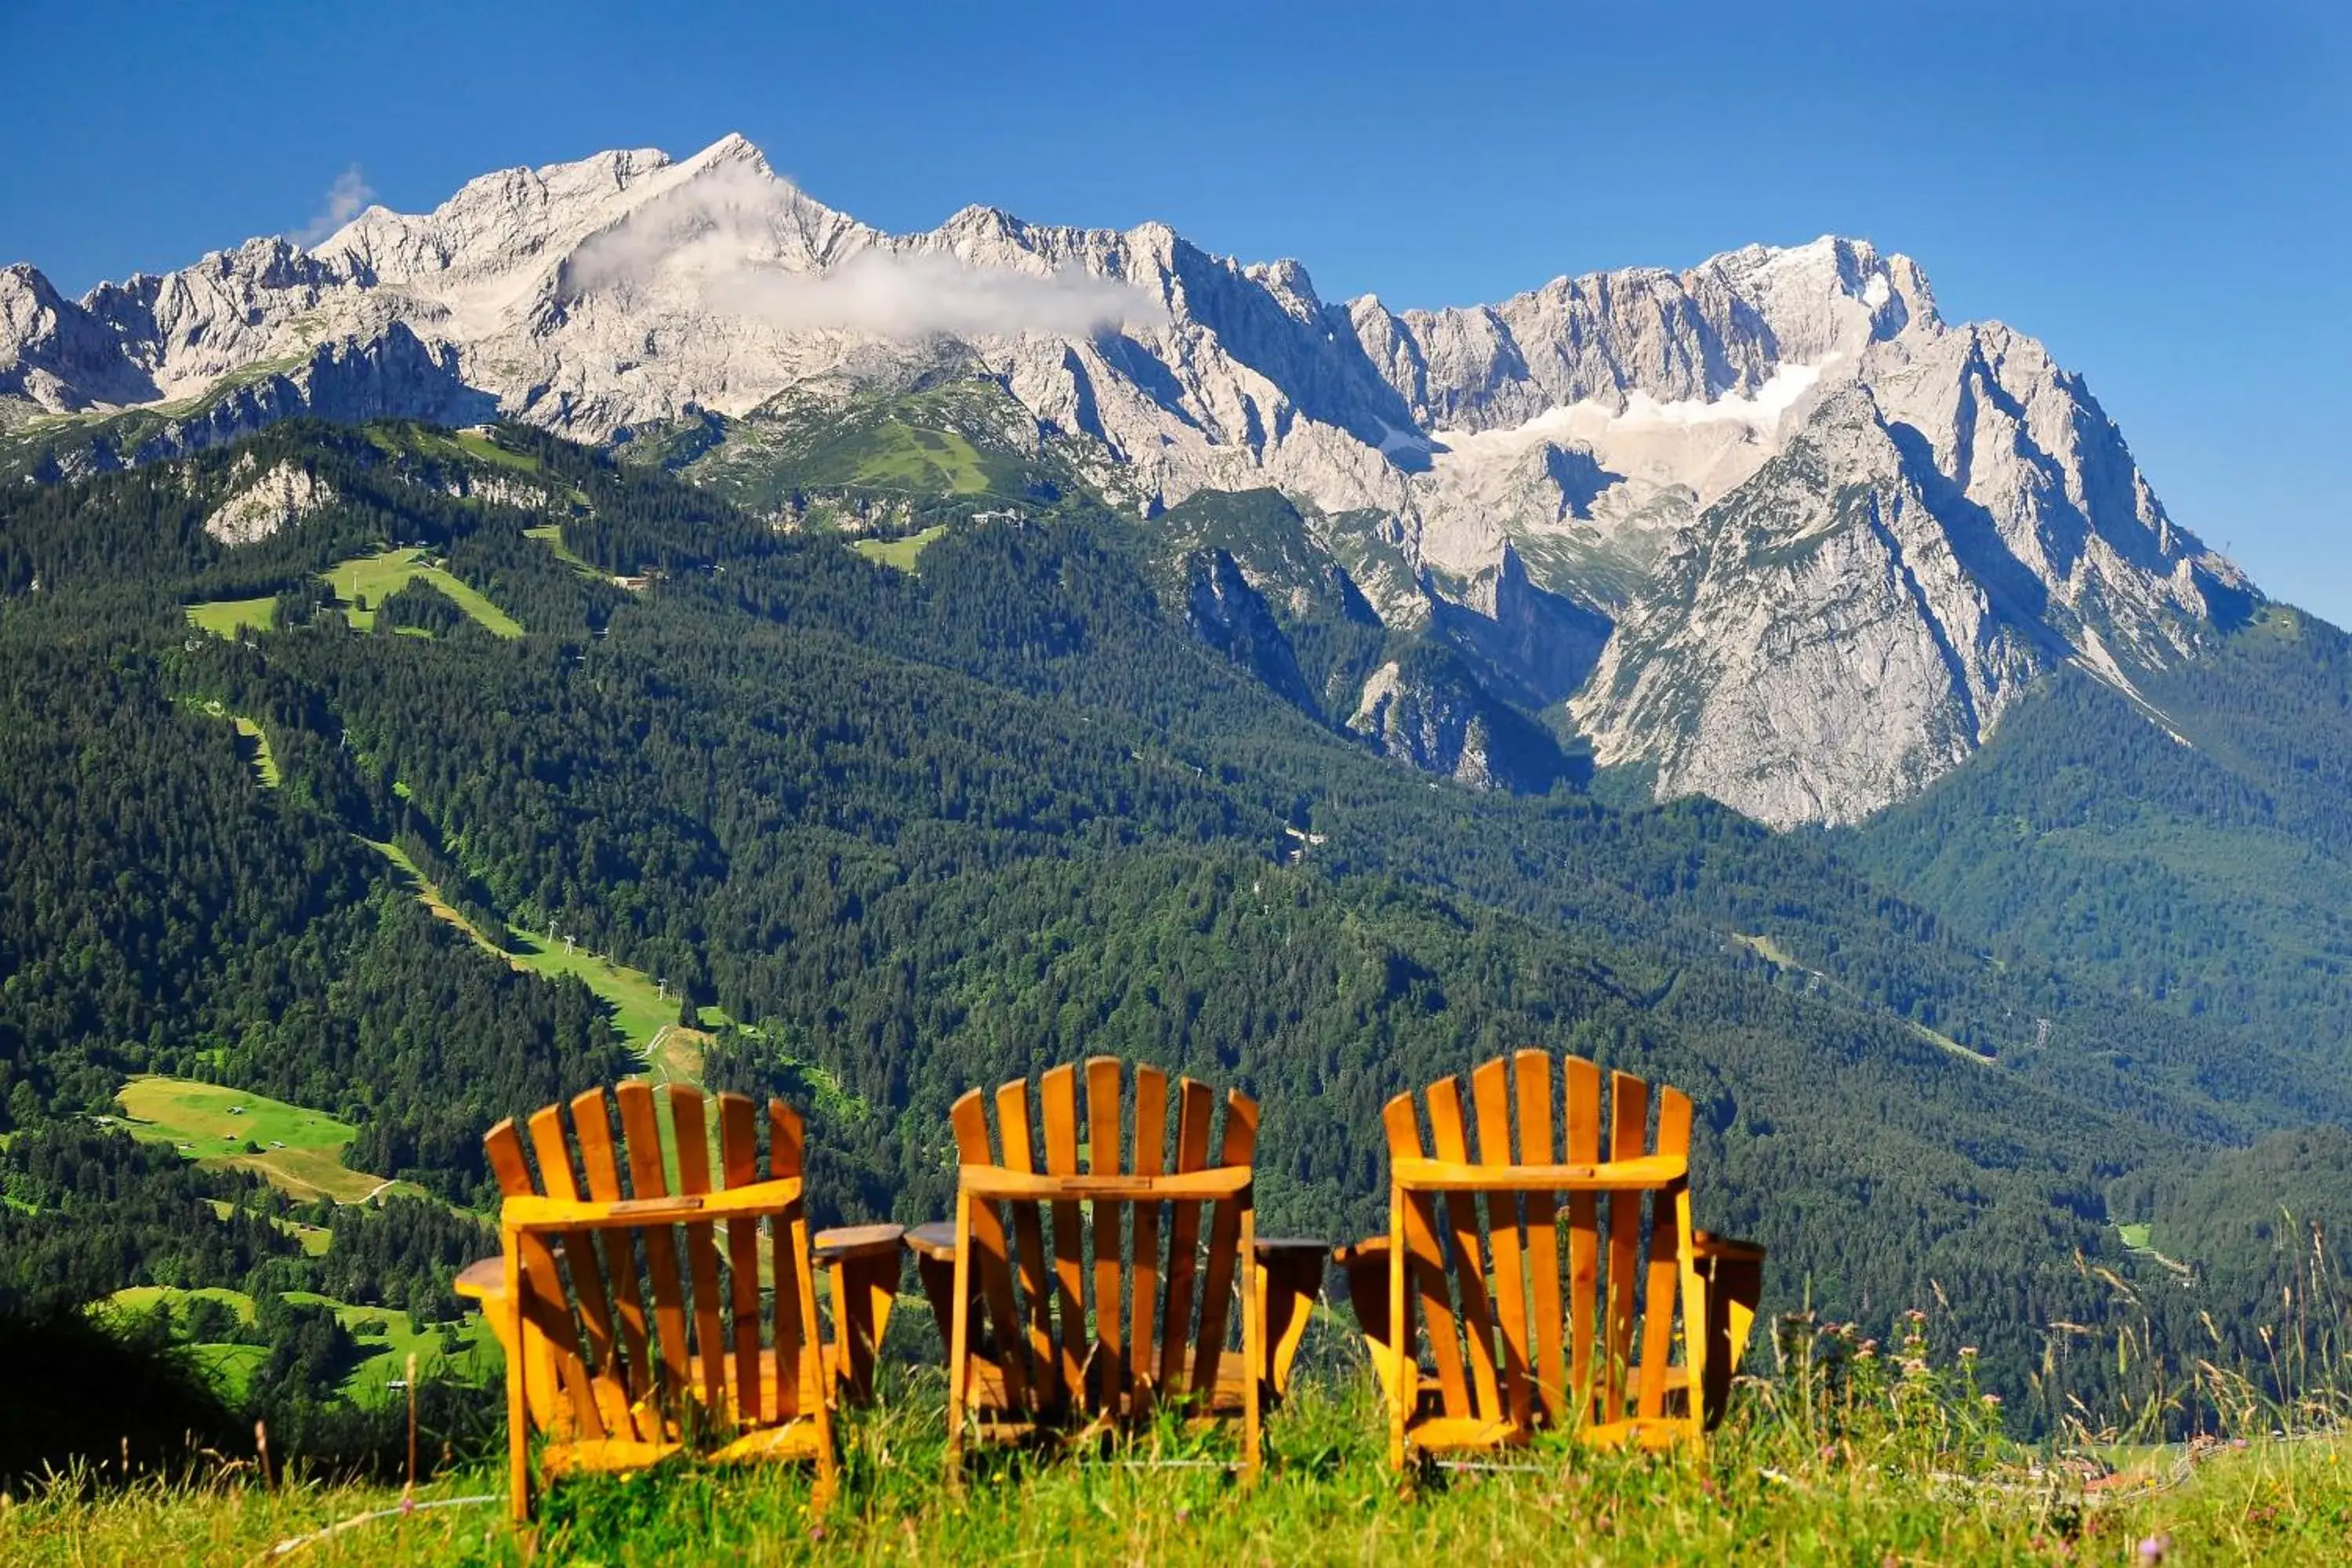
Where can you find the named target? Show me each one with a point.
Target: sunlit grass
(223, 616)
(299, 1151)
(902, 553)
(374, 578)
(1767, 1492)
(385, 1337)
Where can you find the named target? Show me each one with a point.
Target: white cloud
(884, 294)
(346, 198)
(726, 239)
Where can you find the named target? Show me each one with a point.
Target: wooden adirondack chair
(1522, 1330)
(1169, 1227)
(714, 1365)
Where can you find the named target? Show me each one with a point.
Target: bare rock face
(264, 503)
(1433, 729)
(54, 357)
(1766, 526)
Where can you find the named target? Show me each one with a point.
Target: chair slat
(1549, 1320)
(1013, 1137)
(691, 1128)
(592, 1127)
(1581, 1106)
(738, 1166)
(1665, 1264)
(1629, 1131)
(1102, 1155)
(1427, 1264)
(1490, 1092)
(1192, 1110)
(552, 1144)
(796, 1356)
(550, 1314)
(1240, 1148)
(642, 1133)
(1151, 1152)
(1449, 1141)
(970, 1119)
(1057, 1105)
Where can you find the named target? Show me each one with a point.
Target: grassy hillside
(385, 1337)
(297, 1151)
(900, 552)
(2213, 876)
(949, 443)
(641, 1008)
(368, 580)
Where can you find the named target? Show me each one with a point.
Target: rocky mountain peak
(1770, 504)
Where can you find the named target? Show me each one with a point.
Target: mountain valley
(923, 658)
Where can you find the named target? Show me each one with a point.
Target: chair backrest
(651, 1332)
(1056, 1334)
(1518, 1322)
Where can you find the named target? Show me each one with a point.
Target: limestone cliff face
(263, 504)
(1427, 709)
(1767, 525)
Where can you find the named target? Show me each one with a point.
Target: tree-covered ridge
(926, 830)
(2204, 862)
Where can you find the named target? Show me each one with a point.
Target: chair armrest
(1218, 1183)
(935, 1241)
(483, 1281)
(529, 1216)
(1650, 1172)
(1706, 1244)
(846, 1242)
(1371, 1249)
(1291, 1249)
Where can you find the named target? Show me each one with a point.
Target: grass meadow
(296, 1149)
(1906, 1479)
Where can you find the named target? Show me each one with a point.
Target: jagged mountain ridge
(1767, 527)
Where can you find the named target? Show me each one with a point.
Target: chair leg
(1253, 1344)
(1399, 1380)
(814, 1402)
(1734, 1286)
(518, 1406)
(1366, 1272)
(939, 1289)
(828, 1479)
(958, 1340)
(1696, 1327)
(863, 1290)
(1286, 1302)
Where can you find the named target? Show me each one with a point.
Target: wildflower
(2154, 1548)
(1968, 1353)
(1183, 1516)
(816, 1532)
(1915, 1315)
(1992, 1401)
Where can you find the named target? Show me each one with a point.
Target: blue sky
(2162, 192)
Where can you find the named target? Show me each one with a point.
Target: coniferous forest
(883, 835)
